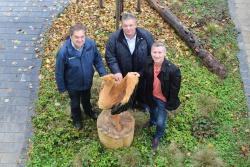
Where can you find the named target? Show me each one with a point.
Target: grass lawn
(210, 128)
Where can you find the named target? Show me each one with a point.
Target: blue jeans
(77, 97)
(158, 117)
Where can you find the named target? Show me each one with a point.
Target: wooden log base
(111, 136)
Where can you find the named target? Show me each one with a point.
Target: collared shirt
(131, 43)
(157, 92)
(80, 49)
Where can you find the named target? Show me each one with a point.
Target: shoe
(155, 144)
(92, 115)
(148, 124)
(77, 125)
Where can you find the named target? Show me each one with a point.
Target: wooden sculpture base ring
(109, 135)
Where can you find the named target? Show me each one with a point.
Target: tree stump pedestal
(112, 135)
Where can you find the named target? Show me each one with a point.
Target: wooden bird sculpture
(117, 96)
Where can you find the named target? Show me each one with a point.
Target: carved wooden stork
(115, 124)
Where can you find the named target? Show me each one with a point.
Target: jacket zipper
(81, 55)
(136, 46)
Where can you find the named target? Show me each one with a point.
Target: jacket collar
(71, 49)
(164, 65)
(72, 43)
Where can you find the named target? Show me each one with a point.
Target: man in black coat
(128, 49)
(163, 81)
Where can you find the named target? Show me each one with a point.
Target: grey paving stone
(243, 23)
(247, 46)
(247, 90)
(2, 117)
(246, 81)
(23, 3)
(20, 37)
(13, 117)
(22, 61)
(24, 14)
(5, 92)
(14, 85)
(9, 108)
(12, 137)
(18, 109)
(15, 56)
(244, 66)
(15, 92)
(13, 127)
(242, 57)
(27, 19)
(31, 1)
(245, 74)
(13, 53)
(12, 43)
(9, 158)
(14, 70)
(22, 108)
(17, 101)
(24, 9)
(20, 25)
(15, 77)
(4, 108)
(8, 165)
(10, 147)
(20, 31)
(17, 50)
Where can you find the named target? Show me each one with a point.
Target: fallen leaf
(16, 42)
(6, 100)
(30, 67)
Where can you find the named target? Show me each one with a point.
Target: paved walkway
(240, 12)
(21, 23)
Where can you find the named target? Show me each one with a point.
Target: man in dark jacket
(74, 71)
(128, 49)
(163, 80)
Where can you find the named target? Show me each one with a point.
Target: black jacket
(170, 78)
(118, 56)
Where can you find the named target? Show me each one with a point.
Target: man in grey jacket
(127, 50)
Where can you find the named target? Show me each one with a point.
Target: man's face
(158, 54)
(129, 27)
(78, 38)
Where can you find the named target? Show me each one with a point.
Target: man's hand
(118, 77)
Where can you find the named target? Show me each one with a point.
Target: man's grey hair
(159, 44)
(77, 27)
(127, 16)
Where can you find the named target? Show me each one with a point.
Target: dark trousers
(77, 97)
